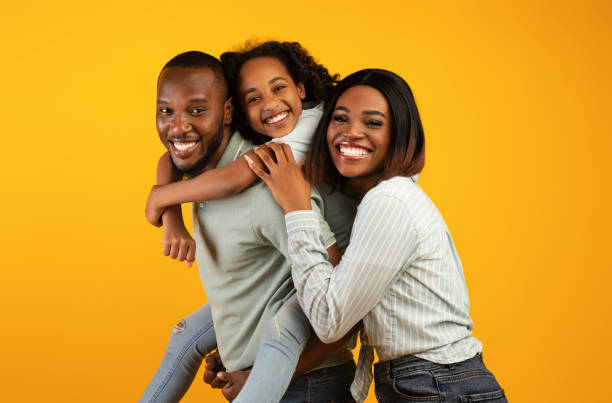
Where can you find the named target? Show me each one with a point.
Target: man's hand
(234, 381)
(153, 211)
(178, 244)
(212, 368)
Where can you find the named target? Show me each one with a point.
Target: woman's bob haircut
(406, 155)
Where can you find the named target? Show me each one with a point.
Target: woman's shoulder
(399, 187)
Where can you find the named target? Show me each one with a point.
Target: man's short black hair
(199, 60)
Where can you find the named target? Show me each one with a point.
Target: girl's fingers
(182, 253)
(191, 254)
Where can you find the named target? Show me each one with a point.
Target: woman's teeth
(184, 146)
(353, 151)
(277, 118)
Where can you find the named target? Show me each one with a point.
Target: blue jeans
(412, 379)
(281, 346)
(330, 385)
(190, 341)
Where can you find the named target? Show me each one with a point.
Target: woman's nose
(353, 130)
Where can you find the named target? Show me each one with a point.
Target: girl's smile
(270, 98)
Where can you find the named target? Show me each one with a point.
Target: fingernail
(249, 160)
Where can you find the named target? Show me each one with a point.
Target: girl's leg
(279, 351)
(190, 341)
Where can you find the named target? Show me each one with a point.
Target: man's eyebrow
(198, 100)
(374, 113)
(161, 101)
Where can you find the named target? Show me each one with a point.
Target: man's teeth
(184, 146)
(353, 151)
(277, 118)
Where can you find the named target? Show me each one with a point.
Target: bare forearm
(214, 184)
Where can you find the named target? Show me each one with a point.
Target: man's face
(191, 113)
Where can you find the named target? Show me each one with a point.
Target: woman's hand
(284, 177)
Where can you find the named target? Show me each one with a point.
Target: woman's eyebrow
(374, 113)
(342, 108)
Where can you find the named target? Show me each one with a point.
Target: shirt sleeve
(300, 137)
(269, 225)
(381, 245)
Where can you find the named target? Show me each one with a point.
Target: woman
(400, 273)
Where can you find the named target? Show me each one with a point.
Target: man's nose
(179, 125)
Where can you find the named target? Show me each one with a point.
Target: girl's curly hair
(302, 67)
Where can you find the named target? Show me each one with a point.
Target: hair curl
(302, 67)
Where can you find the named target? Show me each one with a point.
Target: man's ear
(228, 112)
(301, 90)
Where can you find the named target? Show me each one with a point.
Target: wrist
(300, 207)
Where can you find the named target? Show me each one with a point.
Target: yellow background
(514, 97)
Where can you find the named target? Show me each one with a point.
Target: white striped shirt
(400, 273)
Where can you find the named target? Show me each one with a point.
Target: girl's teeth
(277, 118)
(353, 151)
(183, 146)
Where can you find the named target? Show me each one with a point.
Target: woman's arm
(213, 184)
(382, 242)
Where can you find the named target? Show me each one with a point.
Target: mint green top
(242, 257)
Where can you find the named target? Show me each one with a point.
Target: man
(241, 242)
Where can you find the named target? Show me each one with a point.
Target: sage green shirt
(241, 250)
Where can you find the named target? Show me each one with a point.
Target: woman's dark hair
(406, 155)
(302, 67)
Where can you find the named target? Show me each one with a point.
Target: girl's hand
(284, 177)
(177, 242)
(153, 211)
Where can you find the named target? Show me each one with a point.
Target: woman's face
(359, 133)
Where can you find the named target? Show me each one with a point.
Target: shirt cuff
(301, 220)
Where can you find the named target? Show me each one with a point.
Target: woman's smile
(359, 133)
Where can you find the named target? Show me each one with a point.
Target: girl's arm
(212, 184)
(177, 243)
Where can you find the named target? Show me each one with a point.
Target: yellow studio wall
(514, 96)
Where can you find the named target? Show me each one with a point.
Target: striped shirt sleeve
(335, 299)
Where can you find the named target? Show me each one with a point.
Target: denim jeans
(281, 346)
(190, 341)
(329, 385)
(412, 379)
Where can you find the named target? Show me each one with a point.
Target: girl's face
(271, 100)
(359, 133)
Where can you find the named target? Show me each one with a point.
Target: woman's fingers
(266, 156)
(256, 169)
(279, 153)
(288, 153)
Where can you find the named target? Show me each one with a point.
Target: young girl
(400, 274)
(268, 84)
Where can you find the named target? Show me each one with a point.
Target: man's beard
(213, 145)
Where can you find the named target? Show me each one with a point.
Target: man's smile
(183, 148)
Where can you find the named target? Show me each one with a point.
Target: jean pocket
(416, 387)
(495, 397)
